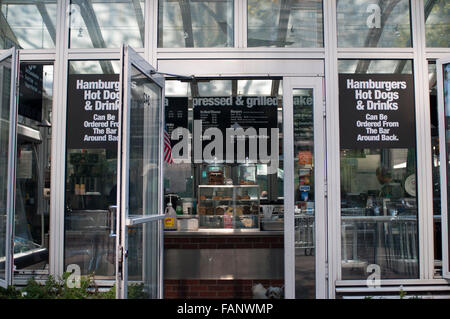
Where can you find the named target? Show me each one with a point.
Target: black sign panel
(92, 111)
(303, 118)
(376, 111)
(176, 115)
(30, 90)
(257, 112)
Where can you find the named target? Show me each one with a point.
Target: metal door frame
(321, 275)
(443, 168)
(130, 58)
(11, 182)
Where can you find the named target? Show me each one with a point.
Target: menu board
(376, 111)
(257, 112)
(303, 118)
(176, 115)
(30, 90)
(92, 111)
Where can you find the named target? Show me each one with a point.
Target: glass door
(8, 117)
(139, 213)
(443, 88)
(304, 185)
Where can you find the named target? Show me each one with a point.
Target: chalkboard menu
(376, 111)
(176, 114)
(236, 112)
(303, 118)
(92, 111)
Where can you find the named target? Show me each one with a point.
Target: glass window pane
(31, 233)
(297, 23)
(106, 24)
(304, 194)
(435, 170)
(378, 188)
(144, 146)
(143, 261)
(28, 26)
(195, 23)
(91, 169)
(369, 23)
(446, 87)
(437, 23)
(5, 107)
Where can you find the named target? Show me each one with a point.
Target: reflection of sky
(375, 66)
(215, 88)
(222, 88)
(304, 25)
(353, 30)
(48, 80)
(254, 87)
(28, 26)
(177, 88)
(205, 19)
(117, 21)
(92, 67)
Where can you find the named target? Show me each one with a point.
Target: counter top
(223, 232)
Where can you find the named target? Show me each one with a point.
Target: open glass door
(139, 202)
(304, 185)
(8, 116)
(443, 90)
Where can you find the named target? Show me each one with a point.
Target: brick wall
(234, 242)
(218, 289)
(214, 289)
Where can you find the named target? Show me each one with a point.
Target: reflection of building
(314, 218)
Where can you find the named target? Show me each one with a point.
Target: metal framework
(243, 61)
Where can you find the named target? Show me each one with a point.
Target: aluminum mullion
(443, 169)
(288, 183)
(423, 140)
(151, 29)
(11, 194)
(332, 146)
(56, 254)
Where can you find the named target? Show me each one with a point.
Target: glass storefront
(285, 24)
(382, 24)
(304, 194)
(437, 23)
(228, 197)
(105, 24)
(31, 236)
(194, 24)
(378, 179)
(91, 169)
(28, 25)
(226, 160)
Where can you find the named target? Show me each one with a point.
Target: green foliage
(10, 293)
(137, 292)
(57, 289)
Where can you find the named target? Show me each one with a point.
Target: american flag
(167, 147)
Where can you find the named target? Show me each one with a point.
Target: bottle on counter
(170, 221)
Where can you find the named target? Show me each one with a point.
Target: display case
(228, 206)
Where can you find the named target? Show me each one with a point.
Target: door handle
(112, 210)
